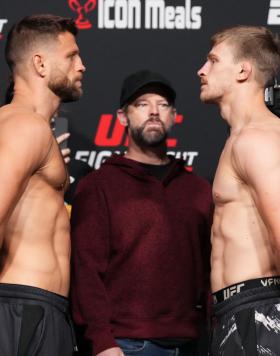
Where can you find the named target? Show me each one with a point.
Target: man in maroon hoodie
(140, 232)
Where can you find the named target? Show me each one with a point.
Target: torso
(241, 249)
(36, 245)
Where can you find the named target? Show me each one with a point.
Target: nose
(80, 65)
(202, 71)
(154, 109)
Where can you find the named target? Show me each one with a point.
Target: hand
(114, 351)
(64, 151)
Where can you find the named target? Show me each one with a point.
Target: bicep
(263, 175)
(20, 157)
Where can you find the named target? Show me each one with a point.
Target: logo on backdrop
(82, 22)
(139, 14)
(274, 13)
(3, 22)
(111, 135)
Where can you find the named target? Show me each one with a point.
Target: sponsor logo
(127, 14)
(138, 14)
(274, 13)
(229, 292)
(3, 22)
(111, 134)
(82, 22)
(272, 281)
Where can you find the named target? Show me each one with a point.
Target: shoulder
(257, 141)
(17, 124)
(256, 149)
(261, 132)
(26, 137)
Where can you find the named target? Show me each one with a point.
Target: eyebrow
(212, 56)
(73, 53)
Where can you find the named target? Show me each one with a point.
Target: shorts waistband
(19, 291)
(230, 291)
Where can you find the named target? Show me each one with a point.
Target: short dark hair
(32, 29)
(256, 43)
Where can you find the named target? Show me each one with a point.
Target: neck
(150, 155)
(246, 106)
(36, 98)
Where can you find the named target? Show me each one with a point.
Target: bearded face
(67, 90)
(151, 133)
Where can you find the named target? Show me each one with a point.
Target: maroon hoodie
(140, 252)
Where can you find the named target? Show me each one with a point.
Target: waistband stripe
(230, 291)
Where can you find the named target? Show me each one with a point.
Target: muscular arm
(24, 144)
(257, 157)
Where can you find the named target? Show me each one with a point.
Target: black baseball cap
(144, 81)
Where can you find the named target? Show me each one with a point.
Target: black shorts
(247, 319)
(34, 322)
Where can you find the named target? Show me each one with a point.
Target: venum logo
(2, 23)
(127, 14)
(111, 134)
(274, 13)
(82, 22)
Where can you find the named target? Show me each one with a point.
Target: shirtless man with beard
(43, 56)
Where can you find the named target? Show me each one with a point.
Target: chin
(208, 99)
(70, 98)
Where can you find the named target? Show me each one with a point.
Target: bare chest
(54, 172)
(227, 186)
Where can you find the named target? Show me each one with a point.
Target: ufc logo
(229, 292)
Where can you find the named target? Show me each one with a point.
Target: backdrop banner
(118, 37)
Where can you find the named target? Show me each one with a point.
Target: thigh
(138, 347)
(10, 316)
(57, 339)
(31, 331)
(253, 331)
(267, 320)
(226, 340)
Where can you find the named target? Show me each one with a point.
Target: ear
(245, 70)
(39, 64)
(121, 115)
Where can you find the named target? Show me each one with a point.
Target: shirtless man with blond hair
(43, 56)
(246, 190)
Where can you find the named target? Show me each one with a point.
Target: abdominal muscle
(36, 247)
(241, 249)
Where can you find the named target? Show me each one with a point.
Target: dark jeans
(135, 347)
